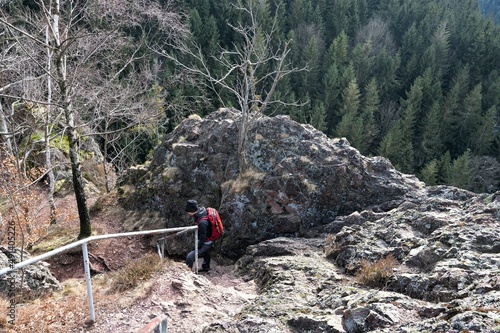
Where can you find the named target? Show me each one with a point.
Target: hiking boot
(204, 269)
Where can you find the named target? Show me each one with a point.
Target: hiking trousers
(203, 252)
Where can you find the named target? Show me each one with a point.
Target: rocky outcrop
(31, 282)
(335, 241)
(300, 290)
(298, 179)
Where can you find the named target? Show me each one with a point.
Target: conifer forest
(417, 82)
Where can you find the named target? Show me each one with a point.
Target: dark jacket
(204, 227)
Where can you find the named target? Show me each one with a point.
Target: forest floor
(189, 301)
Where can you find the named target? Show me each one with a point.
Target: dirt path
(189, 301)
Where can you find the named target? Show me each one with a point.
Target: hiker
(200, 216)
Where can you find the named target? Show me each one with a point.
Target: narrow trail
(189, 301)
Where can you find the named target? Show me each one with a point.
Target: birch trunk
(4, 130)
(48, 126)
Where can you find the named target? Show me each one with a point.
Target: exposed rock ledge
(447, 280)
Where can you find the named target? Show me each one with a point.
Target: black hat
(191, 206)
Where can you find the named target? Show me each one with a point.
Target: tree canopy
(415, 81)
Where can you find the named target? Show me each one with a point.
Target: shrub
(135, 272)
(378, 273)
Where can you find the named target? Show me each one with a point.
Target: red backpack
(216, 223)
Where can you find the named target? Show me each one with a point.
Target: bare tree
(250, 71)
(81, 50)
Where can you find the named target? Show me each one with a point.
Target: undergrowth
(376, 274)
(67, 309)
(135, 272)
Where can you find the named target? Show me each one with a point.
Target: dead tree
(251, 71)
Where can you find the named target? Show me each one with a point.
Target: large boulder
(297, 179)
(31, 282)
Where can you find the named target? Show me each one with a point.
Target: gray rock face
(35, 280)
(302, 291)
(298, 179)
(447, 242)
(312, 221)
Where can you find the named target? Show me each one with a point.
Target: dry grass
(67, 310)
(135, 273)
(60, 312)
(56, 237)
(378, 273)
(4, 304)
(243, 182)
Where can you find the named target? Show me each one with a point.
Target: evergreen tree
(411, 107)
(429, 174)
(311, 57)
(294, 111)
(460, 171)
(469, 117)
(398, 143)
(481, 142)
(334, 61)
(331, 93)
(337, 18)
(451, 111)
(350, 99)
(432, 144)
(371, 103)
(491, 91)
(318, 120)
(444, 165)
(299, 13)
(393, 147)
(362, 62)
(429, 95)
(413, 44)
(440, 45)
(351, 124)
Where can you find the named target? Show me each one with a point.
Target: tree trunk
(4, 130)
(81, 199)
(48, 152)
(69, 113)
(242, 140)
(104, 163)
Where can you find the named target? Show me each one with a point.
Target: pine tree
(351, 124)
(311, 57)
(460, 171)
(469, 117)
(444, 165)
(451, 109)
(371, 103)
(440, 45)
(351, 99)
(363, 62)
(432, 141)
(481, 142)
(394, 147)
(334, 62)
(413, 44)
(318, 120)
(429, 174)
